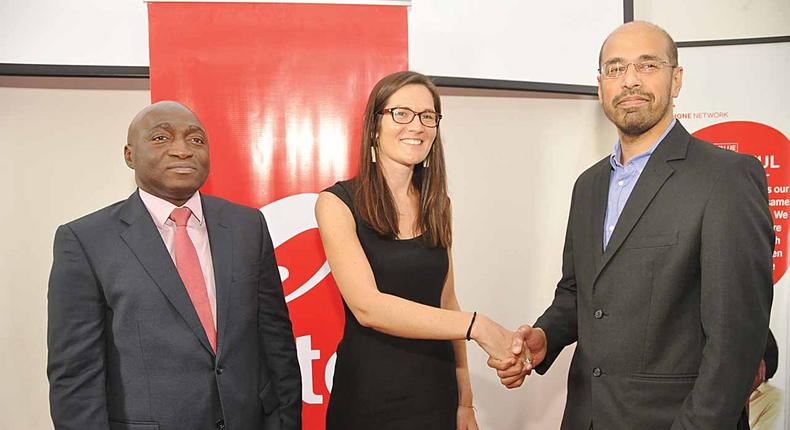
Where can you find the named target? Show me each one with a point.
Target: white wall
(62, 144)
(512, 160)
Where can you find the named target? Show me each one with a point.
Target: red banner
(772, 148)
(281, 89)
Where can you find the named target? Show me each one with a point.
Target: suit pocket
(269, 400)
(246, 277)
(651, 241)
(653, 400)
(133, 425)
(666, 377)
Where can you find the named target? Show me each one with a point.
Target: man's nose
(180, 148)
(631, 77)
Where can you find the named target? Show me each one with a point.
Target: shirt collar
(759, 391)
(160, 209)
(640, 160)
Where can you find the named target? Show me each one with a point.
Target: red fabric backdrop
(281, 89)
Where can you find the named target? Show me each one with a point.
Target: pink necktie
(188, 266)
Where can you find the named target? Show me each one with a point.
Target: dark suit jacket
(671, 320)
(126, 347)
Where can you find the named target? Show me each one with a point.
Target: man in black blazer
(667, 275)
(138, 338)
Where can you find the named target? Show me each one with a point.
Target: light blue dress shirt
(622, 181)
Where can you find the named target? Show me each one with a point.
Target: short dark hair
(672, 47)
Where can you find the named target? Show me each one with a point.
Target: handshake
(512, 354)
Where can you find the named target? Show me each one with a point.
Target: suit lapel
(221, 241)
(143, 238)
(600, 195)
(655, 174)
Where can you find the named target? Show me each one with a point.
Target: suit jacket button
(219, 370)
(598, 314)
(221, 424)
(597, 372)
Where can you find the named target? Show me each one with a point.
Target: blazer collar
(144, 240)
(658, 170)
(221, 238)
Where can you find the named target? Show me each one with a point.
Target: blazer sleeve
(736, 252)
(276, 338)
(75, 338)
(559, 321)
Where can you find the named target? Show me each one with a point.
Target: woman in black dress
(402, 361)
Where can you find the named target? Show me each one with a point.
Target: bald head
(639, 100)
(167, 147)
(639, 29)
(157, 109)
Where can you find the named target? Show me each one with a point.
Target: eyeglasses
(615, 70)
(404, 115)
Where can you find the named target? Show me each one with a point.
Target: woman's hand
(530, 344)
(495, 340)
(466, 418)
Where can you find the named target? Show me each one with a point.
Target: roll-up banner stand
(281, 89)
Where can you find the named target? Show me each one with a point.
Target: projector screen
(717, 19)
(74, 32)
(554, 42)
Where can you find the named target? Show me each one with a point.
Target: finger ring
(529, 360)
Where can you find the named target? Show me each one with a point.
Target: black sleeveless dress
(385, 382)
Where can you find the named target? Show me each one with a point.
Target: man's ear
(677, 81)
(127, 156)
(600, 99)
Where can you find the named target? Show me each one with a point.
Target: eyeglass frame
(391, 111)
(636, 65)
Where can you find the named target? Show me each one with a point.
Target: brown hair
(372, 197)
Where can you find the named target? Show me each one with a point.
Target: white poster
(736, 97)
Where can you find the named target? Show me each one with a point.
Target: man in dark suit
(166, 310)
(666, 277)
